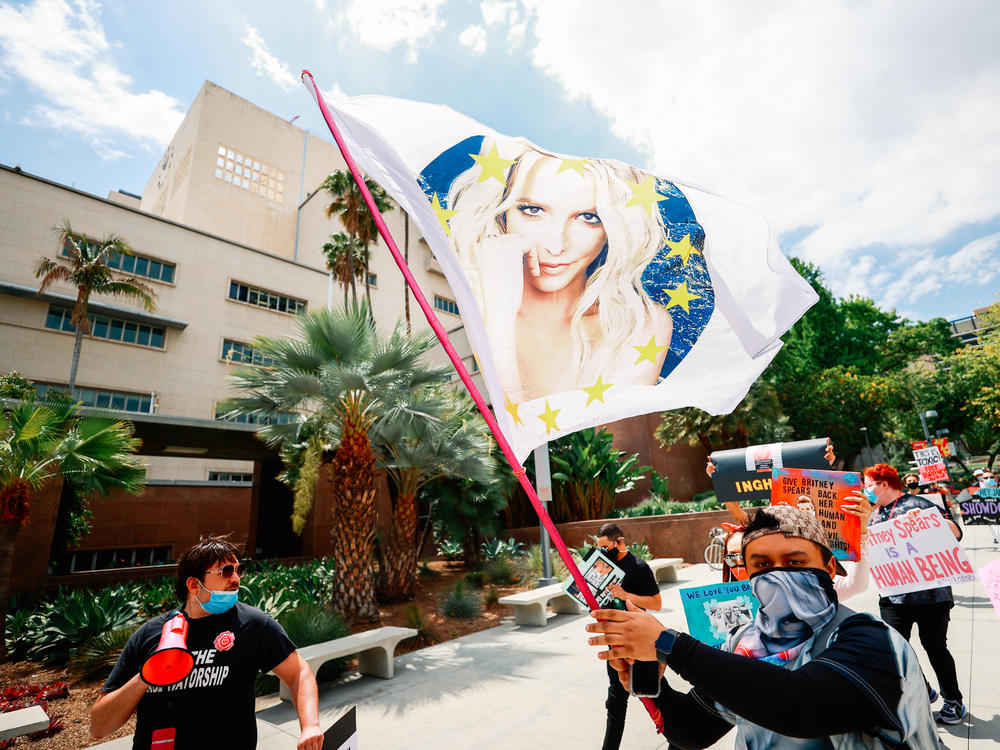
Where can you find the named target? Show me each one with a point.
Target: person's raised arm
(294, 671)
(112, 709)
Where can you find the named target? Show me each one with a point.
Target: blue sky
(865, 132)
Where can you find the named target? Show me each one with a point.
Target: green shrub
(461, 602)
(306, 625)
(158, 596)
(415, 619)
(492, 597)
(97, 656)
(641, 550)
(72, 618)
(450, 550)
(477, 578)
(503, 570)
(531, 568)
(494, 548)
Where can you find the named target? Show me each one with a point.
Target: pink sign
(990, 576)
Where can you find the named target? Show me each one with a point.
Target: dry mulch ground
(75, 708)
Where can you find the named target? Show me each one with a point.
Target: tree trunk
(406, 257)
(350, 270)
(368, 287)
(352, 487)
(401, 552)
(77, 346)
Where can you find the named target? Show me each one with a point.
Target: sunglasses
(734, 559)
(228, 570)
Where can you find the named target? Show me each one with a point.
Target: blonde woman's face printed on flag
(557, 251)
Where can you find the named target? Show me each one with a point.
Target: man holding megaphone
(189, 674)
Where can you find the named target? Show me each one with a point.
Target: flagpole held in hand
(456, 361)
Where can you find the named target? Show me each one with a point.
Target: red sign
(941, 443)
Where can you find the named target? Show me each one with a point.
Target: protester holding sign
(789, 679)
(929, 609)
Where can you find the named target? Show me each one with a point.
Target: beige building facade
(228, 232)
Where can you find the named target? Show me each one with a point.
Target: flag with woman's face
(590, 290)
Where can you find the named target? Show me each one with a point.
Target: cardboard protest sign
(824, 492)
(930, 465)
(935, 497)
(980, 508)
(990, 576)
(713, 611)
(599, 573)
(745, 473)
(941, 443)
(912, 554)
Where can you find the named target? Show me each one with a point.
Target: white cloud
(474, 37)
(266, 64)
(871, 123)
(384, 24)
(60, 50)
(499, 12)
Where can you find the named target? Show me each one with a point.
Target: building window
(445, 305)
(233, 477)
(134, 263)
(102, 398)
(373, 280)
(112, 329)
(250, 171)
(263, 298)
(122, 557)
(237, 351)
(278, 418)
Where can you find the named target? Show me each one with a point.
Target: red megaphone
(171, 662)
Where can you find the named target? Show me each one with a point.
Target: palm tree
(344, 380)
(89, 272)
(39, 440)
(415, 452)
(348, 204)
(346, 261)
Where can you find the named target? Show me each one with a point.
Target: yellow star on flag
(681, 297)
(549, 417)
(649, 351)
(512, 409)
(443, 214)
(575, 164)
(596, 391)
(684, 249)
(644, 194)
(492, 164)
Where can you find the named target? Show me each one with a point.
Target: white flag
(590, 290)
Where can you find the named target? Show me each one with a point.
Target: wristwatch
(664, 644)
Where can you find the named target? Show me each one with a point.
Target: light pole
(924, 416)
(866, 454)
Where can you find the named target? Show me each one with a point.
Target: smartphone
(644, 679)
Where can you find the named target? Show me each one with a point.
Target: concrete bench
(665, 568)
(375, 650)
(23, 721)
(529, 606)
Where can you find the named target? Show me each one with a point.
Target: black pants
(932, 623)
(617, 703)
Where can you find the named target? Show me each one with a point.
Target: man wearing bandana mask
(773, 678)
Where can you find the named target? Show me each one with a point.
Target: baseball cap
(978, 473)
(793, 522)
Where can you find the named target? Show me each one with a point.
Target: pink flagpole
(456, 361)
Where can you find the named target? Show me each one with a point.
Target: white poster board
(930, 465)
(912, 554)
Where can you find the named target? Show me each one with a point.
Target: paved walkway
(514, 686)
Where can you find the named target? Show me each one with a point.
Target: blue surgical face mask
(870, 494)
(219, 601)
(988, 483)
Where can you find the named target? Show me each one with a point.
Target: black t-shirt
(899, 507)
(214, 705)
